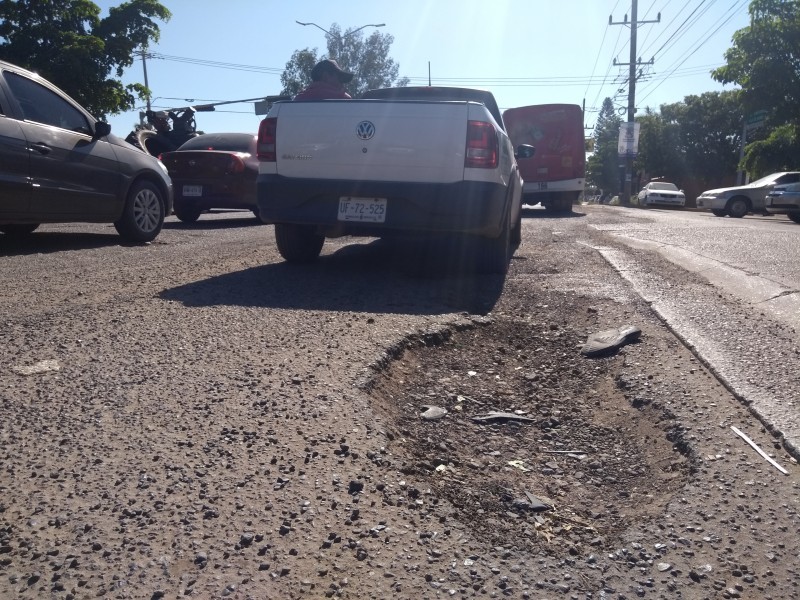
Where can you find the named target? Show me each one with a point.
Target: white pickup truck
(413, 161)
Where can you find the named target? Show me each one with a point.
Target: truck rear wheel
(494, 254)
(298, 243)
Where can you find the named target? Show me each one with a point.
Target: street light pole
(348, 33)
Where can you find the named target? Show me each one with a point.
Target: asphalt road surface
(195, 418)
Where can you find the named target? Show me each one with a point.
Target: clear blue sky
(524, 51)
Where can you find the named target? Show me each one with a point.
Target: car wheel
(187, 214)
(719, 213)
(794, 216)
(738, 207)
(298, 243)
(18, 229)
(143, 215)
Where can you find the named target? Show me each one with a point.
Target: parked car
(784, 200)
(740, 200)
(58, 164)
(214, 170)
(661, 193)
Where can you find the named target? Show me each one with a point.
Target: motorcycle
(158, 135)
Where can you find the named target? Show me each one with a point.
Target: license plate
(365, 210)
(193, 190)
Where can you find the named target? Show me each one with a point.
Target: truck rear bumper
(469, 207)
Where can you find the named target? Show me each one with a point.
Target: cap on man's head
(330, 66)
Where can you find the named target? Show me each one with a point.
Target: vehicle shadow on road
(373, 277)
(240, 219)
(541, 213)
(42, 242)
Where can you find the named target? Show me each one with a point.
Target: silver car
(58, 164)
(784, 200)
(740, 200)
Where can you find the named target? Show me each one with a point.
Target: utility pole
(627, 189)
(144, 66)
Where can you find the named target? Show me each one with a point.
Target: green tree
(367, 58)
(660, 151)
(67, 42)
(764, 62)
(603, 166)
(779, 151)
(706, 131)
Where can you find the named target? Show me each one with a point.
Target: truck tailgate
(372, 140)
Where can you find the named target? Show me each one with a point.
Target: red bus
(555, 175)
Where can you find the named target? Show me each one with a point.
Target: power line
(705, 38)
(216, 64)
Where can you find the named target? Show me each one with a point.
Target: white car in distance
(661, 193)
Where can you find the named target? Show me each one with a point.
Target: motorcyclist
(160, 121)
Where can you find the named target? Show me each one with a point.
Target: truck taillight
(482, 146)
(266, 139)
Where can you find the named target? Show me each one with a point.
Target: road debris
(501, 416)
(519, 464)
(433, 413)
(759, 450)
(604, 342)
(43, 366)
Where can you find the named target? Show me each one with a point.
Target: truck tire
(494, 254)
(794, 217)
(516, 231)
(298, 243)
(738, 207)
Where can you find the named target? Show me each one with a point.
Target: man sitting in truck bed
(327, 81)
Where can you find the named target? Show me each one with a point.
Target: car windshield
(664, 186)
(766, 180)
(226, 142)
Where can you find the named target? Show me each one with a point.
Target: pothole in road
(593, 445)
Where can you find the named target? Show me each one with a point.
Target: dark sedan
(214, 170)
(58, 164)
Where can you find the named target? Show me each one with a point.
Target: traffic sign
(757, 117)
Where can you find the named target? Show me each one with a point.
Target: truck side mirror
(524, 151)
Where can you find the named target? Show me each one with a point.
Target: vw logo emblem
(192, 163)
(365, 130)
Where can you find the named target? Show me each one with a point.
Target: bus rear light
(266, 139)
(483, 148)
